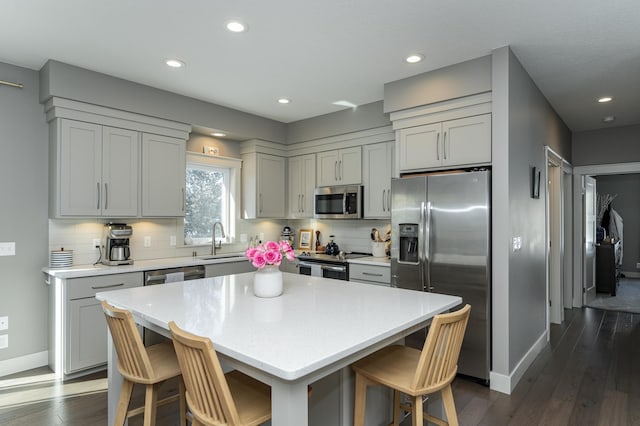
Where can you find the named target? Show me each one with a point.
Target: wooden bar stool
(215, 398)
(416, 373)
(148, 366)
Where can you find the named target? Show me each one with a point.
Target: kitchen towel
(316, 270)
(174, 277)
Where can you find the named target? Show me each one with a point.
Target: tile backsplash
(78, 235)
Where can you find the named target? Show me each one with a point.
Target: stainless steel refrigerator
(440, 242)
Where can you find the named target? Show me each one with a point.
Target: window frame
(234, 166)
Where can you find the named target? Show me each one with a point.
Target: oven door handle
(334, 268)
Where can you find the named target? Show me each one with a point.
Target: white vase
(267, 282)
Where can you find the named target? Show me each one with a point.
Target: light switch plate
(4, 341)
(172, 240)
(517, 243)
(4, 323)
(147, 241)
(8, 249)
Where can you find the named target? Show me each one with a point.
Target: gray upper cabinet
(263, 186)
(461, 142)
(302, 182)
(339, 167)
(94, 170)
(377, 169)
(163, 176)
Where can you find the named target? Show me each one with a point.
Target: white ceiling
(319, 52)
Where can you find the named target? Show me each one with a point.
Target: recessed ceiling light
(284, 101)
(174, 63)
(609, 119)
(345, 103)
(605, 99)
(236, 27)
(412, 59)
(218, 134)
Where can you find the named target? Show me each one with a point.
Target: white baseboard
(24, 363)
(506, 383)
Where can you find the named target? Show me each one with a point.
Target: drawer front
(379, 274)
(78, 288)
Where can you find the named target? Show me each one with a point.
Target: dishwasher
(163, 276)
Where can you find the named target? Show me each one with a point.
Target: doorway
(580, 175)
(558, 231)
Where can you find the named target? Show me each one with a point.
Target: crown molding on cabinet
(74, 110)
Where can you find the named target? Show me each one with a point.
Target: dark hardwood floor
(588, 375)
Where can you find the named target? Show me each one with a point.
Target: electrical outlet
(261, 236)
(95, 242)
(172, 240)
(4, 341)
(147, 241)
(517, 244)
(243, 238)
(7, 249)
(4, 323)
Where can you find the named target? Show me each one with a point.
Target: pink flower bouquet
(269, 253)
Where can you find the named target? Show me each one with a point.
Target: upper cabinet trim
(80, 111)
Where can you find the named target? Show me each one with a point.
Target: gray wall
(523, 123)
(68, 81)
(627, 204)
(364, 117)
(455, 81)
(606, 146)
(23, 213)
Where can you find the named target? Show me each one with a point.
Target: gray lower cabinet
(228, 268)
(370, 274)
(83, 344)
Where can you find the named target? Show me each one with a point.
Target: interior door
(589, 243)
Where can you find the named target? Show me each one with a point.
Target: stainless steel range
(326, 265)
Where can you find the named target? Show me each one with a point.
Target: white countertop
(142, 265)
(316, 322)
(374, 261)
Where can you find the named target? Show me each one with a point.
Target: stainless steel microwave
(338, 202)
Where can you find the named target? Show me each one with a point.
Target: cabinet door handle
(335, 170)
(438, 146)
(340, 170)
(389, 199)
(98, 191)
(106, 197)
(371, 274)
(184, 200)
(444, 145)
(299, 203)
(302, 202)
(384, 200)
(98, 287)
(260, 203)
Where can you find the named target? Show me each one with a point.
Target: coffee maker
(116, 244)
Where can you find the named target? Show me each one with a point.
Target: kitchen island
(317, 327)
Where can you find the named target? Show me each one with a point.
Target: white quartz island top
(315, 322)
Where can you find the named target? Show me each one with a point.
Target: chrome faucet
(214, 246)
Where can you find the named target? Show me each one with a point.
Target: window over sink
(212, 194)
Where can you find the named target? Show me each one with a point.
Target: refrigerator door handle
(421, 243)
(427, 246)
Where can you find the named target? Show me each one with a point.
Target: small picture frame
(305, 239)
(535, 182)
